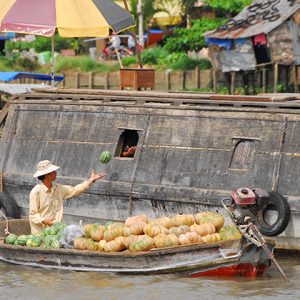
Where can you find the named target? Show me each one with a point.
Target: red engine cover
(243, 196)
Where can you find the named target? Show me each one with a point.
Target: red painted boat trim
(246, 269)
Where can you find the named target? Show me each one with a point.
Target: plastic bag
(69, 234)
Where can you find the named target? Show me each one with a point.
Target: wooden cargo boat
(192, 150)
(229, 258)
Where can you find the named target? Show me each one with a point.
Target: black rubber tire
(278, 203)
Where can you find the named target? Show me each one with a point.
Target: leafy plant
(10, 46)
(204, 64)
(153, 55)
(188, 39)
(127, 61)
(42, 43)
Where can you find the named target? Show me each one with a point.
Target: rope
(6, 229)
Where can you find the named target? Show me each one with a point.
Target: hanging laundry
(260, 39)
(243, 45)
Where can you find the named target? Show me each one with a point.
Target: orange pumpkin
(111, 233)
(80, 243)
(88, 228)
(97, 233)
(166, 240)
(101, 245)
(203, 229)
(165, 222)
(210, 217)
(135, 229)
(136, 220)
(179, 230)
(180, 220)
(153, 229)
(230, 232)
(116, 245)
(188, 238)
(144, 243)
(212, 238)
(129, 240)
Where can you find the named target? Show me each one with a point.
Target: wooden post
(168, 80)
(76, 80)
(64, 80)
(214, 78)
(295, 78)
(264, 89)
(197, 77)
(254, 82)
(287, 72)
(183, 80)
(91, 80)
(106, 83)
(232, 83)
(275, 78)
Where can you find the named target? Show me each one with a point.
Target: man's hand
(131, 150)
(48, 222)
(96, 176)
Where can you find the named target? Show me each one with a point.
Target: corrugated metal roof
(261, 16)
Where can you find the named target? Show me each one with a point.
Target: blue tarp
(7, 35)
(226, 43)
(9, 76)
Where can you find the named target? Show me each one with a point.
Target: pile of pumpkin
(139, 233)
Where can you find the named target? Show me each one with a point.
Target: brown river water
(20, 282)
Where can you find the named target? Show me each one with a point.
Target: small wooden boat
(235, 257)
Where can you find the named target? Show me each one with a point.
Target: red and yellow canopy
(72, 18)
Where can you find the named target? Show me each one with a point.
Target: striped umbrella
(71, 18)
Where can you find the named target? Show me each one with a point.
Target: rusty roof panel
(262, 16)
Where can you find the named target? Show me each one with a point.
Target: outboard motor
(269, 211)
(249, 210)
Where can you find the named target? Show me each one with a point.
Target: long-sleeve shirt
(47, 203)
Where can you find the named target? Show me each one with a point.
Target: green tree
(231, 6)
(188, 39)
(148, 11)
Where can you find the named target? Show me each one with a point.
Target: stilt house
(264, 36)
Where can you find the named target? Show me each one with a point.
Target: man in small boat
(47, 197)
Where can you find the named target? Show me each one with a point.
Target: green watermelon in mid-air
(105, 157)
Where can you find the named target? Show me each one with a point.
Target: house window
(127, 143)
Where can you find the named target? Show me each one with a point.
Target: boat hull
(192, 260)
